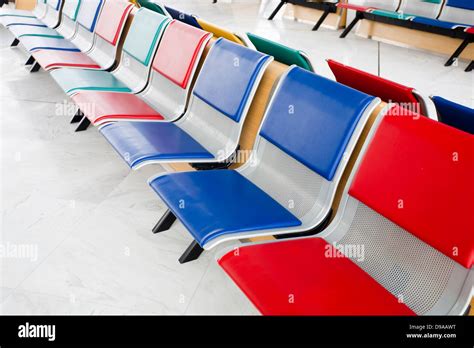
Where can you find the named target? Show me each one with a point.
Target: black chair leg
(192, 253)
(321, 20)
(165, 222)
(470, 67)
(30, 60)
(83, 125)
(350, 26)
(35, 67)
(458, 52)
(15, 42)
(276, 10)
(78, 116)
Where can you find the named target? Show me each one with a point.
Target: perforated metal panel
(457, 15)
(67, 28)
(83, 39)
(51, 19)
(217, 133)
(290, 183)
(421, 8)
(132, 72)
(103, 53)
(390, 5)
(40, 9)
(410, 269)
(166, 97)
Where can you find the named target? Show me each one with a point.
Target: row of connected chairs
(165, 101)
(453, 18)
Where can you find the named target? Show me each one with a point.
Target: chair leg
(30, 60)
(470, 67)
(35, 67)
(83, 124)
(350, 26)
(192, 253)
(276, 10)
(165, 222)
(457, 53)
(15, 42)
(321, 19)
(78, 116)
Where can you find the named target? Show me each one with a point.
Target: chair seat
(73, 80)
(306, 271)
(32, 43)
(13, 20)
(139, 142)
(438, 23)
(51, 59)
(220, 202)
(24, 30)
(16, 13)
(101, 107)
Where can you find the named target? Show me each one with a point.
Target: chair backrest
(69, 13)
(40, 9)
(139, 48)
(89, 12)
(281, 53)
(153, 5)
(222, 96)
(108, 31)
(53, 10)
(458, 11)
(388, 91)
(455, 115)
(71, 8)
(174, 67)
(409, 203)
(389, 5)
(183, 17)
(307, 136)
(424, 8)
(219, 31)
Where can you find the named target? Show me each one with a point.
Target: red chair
(401, 243)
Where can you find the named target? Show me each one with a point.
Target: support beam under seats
(35, 67)
(30, 60)
(323, 17)
(78, 116)
(276, 10)
(83, 124)
(192, 253)
(165, 222)
(458, 51)
(346, 31)
(470, 67)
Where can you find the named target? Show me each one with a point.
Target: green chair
(154, 6)
(281, 53)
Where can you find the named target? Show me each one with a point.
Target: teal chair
(281, 53)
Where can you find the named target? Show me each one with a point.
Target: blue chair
(455, 115)
(288, 185)
(183, 17)
(209, 131)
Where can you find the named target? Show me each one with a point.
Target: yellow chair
(220, 32)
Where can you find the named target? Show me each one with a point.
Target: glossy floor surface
(76, 222)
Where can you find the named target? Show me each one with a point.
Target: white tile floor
(87, 218)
